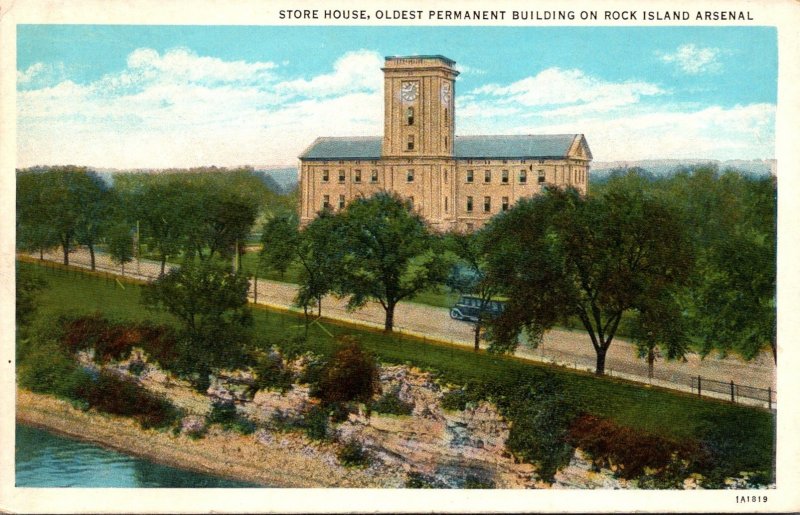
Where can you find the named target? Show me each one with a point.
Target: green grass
(662, 412)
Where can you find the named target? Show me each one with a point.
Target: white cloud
(181, 109)
(573, 90)
(692, 60)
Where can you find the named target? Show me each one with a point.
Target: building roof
(437, 56)
(531, 146)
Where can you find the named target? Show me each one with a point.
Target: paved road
(568, 348)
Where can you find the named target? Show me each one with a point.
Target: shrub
(271, 372)
(350, 375)
(47, 368)
(540, 422)
(390, 404)
(224, 413)
(315, 423)
(121, 396)
(419, 480)
(352, 454)
(473, 482)
(629, 451)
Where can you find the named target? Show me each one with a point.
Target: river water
(44, 459)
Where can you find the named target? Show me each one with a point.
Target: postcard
(399, 256)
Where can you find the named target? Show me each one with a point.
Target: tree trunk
(41, 253)
(65, 246)
(163, 264)
(651, 358)
(389, 325)
(774, 346)
(477, 336)
(319, 306)
(91, 255)
(601, 361)
(305, 315)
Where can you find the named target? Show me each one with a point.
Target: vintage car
(468, 308)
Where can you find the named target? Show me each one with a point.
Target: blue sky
(163, 96)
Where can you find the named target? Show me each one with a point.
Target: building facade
(454, 182)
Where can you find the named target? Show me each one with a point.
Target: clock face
(409, 91)
(446, 93)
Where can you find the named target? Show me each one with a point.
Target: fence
(735, 392)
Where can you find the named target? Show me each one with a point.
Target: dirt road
(568, 348)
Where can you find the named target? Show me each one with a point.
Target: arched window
(410, 116)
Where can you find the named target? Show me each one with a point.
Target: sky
(179, 96)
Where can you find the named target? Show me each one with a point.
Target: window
(326, 201)
(505, 203)
(445, 142)
(541, 176)
(470, 175)
(410, 176)
(445, 176)
(410, 142)
(505, 177)
(445, 204)
(487, 204)
(341, 201)
(410, 116)
(470, 227)
(446, 116)
(487, 176)
(469, 204)
(341, 175)
(356, 175)
(374, 177)
(325, 176)
(523, 176)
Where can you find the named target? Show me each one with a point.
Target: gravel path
(572, 349)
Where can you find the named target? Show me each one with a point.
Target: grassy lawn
(658, 411)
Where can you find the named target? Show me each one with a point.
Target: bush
(390, 404)
(352, 454)
(629, 451)
(473, 482)
(418, 480)
(350, 375)
(540, 422)
(315, 423)
(121, 396)
(225, 414)
(271, 372)
(47, 368)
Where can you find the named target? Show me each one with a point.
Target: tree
(560, 254)
(470, 276)
(34, 231)
(28, 286)
(389, 253)
(120, 244)
(68, 206)
(660, 324)
(211, 302)
(314, 248)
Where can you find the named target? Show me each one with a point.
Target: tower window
(410, 176)
(505, 203)
(487, 204)
(357, 176)
(410, 116)
(523, 176)
(446, 116)
(445, 142)
(325, 176)
(487, 176)
(504, 177)
(410, 142)
(374, 177)
(341, 201)
(541, 176)
(469, 204)
(445, 204)
(341, 175)
(470, 175)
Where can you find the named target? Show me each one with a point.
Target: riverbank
(273, 462)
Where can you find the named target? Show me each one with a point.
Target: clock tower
(419, 117)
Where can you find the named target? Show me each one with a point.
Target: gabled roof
(531, 146)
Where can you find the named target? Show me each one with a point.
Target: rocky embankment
(431, 446)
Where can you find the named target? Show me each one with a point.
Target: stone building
(452, 181)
